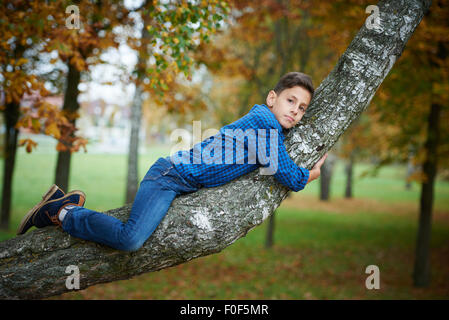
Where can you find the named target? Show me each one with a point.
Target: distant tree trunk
(34, 265)
(71, 106)
(132, 179)
(410, 170)
(421, 273)
(349, 175)
(269, 241)
(11, 114)
(11, 117)
(325, 178)
(133, 153)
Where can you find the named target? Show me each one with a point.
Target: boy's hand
(315, 172)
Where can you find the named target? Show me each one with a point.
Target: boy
(186, 172)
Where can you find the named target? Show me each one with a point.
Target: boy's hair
(293, 79)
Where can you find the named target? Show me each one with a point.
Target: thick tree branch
(206, 222)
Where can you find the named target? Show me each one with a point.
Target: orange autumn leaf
(61, 147)
(28, 143)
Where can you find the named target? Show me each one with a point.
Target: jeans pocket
(152, 175)
(157, 171)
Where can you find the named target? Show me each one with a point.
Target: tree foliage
(176, 28)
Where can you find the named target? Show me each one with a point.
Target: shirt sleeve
(288, 172)
(285, 170)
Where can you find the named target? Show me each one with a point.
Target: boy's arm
(287, 171)
(293, 176)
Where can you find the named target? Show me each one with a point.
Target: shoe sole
(44, 200)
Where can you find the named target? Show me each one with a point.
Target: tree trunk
(421, 272)
(71, 105)
(34, 265)
(133, 153)
(325, 178)
(11, 117)
(349, 175)
(269, 240)
(410, 169)
(132, 181)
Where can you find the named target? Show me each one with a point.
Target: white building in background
(105, 125)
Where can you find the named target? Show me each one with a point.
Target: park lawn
(317, 255)
(321, 249)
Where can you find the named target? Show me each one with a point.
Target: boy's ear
(271, 97)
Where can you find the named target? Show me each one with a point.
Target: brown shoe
(47, 210)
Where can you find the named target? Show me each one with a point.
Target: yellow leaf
(52, 130)
(22, 142)
(22, 61)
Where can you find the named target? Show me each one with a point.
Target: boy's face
(289, 106)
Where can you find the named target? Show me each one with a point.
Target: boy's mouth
(290, 118)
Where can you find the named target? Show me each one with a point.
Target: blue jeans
(157, 190)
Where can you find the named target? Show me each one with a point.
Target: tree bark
(11, 117)
(71, 105)
(205, 222)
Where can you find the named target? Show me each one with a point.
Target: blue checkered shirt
(248, 152)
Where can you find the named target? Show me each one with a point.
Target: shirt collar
(273, 117)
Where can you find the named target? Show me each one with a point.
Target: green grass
(387, 186)
(320, 252)
(317, 255)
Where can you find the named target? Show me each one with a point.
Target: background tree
(170, 32)
(425, 99)
(79, 47)
(405, 99)
(326, 176)
(22, 26)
